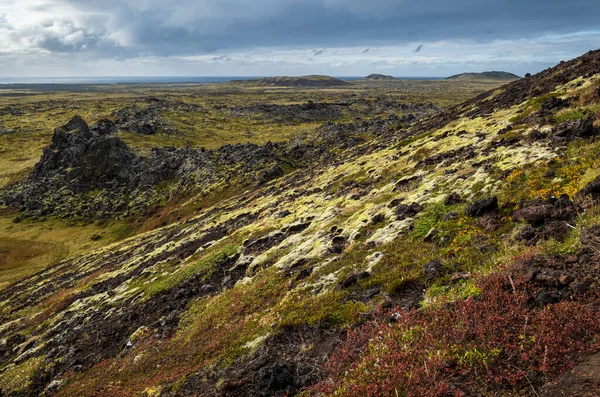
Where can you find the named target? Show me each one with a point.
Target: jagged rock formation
(87, 172)
(147, 119)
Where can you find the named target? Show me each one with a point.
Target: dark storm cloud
(126, 28)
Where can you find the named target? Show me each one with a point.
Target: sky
(55, 38)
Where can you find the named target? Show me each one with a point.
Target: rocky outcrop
(87, 172)
(540, 212)
(572, 129)
(143, 121)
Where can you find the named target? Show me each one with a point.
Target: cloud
(92, 30)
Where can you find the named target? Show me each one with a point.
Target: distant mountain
(376, 76)
(301, 81)
(495, 75)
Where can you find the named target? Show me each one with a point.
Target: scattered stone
(434, 269)
(145, 121)
(371, 292)
(565, 279)
(279, 376)
(282, 214)
(352, 279)
(528, 234)
(296, 227)
(536, 135)
(537, 212)
(264, 243)
(553, 103)
(378, 218)
(338, 244)
(480, 207)
(572, 129)
(489, 222)
(557, 230)
(591, 189)
(404, 211)
(394, 203)
(453, 198)
(55, 385)
(546, 278)
(431, 234)
(450, 215)
(546, 298)
(406, 181)
(455, 277)
(582, 381)
(95, 237)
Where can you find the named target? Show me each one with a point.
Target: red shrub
(495, 341)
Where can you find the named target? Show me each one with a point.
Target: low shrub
(497, 340)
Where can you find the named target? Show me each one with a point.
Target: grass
(570, 114)
(49, 242)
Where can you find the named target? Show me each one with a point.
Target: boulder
(434, 269)
(453, 198)
(489, 222)
(404, 211)
(352, 279)
(338, 243)
(483, 206)
(104, 127)
(553, 103)
(538, 213)
(591, 189)
(572, 129)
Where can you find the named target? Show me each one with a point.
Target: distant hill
(376, 76)
(495, 75)
(301, 81)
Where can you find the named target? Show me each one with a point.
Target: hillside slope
(454, 256)
(485, 76)
(377, 76)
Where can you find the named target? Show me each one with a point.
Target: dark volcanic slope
(519, 91)
(252, 295)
